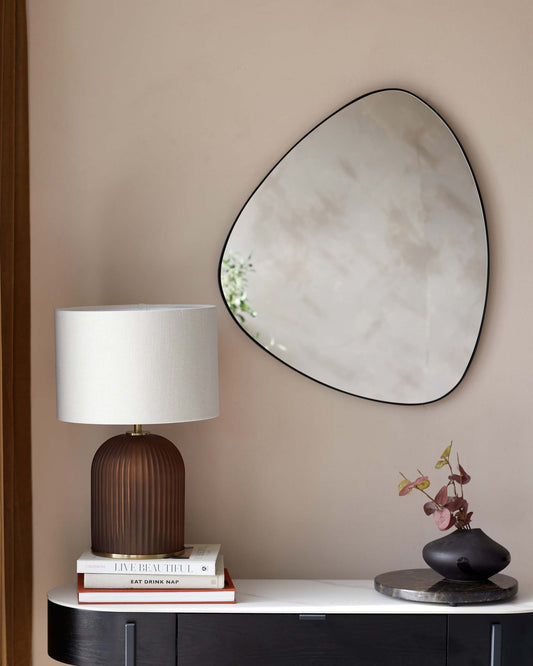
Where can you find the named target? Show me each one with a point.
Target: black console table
(292, 623)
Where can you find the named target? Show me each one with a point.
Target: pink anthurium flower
(443, 519)
(463, 478)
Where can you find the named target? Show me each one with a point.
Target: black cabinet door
(100, 638)
(296, 640)
(490, 640)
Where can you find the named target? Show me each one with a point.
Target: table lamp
(137, 364)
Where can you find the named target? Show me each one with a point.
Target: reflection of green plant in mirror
(234, 280)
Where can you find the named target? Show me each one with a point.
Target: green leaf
(446, 453)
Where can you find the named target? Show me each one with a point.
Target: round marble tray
(427, 586)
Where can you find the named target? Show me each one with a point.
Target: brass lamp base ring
(120, 556)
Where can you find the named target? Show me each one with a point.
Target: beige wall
(151, 122)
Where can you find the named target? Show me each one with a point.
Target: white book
(154, 581)
(165, 596)
(196, 559)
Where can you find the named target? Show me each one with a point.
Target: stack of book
(196, 575)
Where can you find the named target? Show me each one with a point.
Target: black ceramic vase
(466, 555)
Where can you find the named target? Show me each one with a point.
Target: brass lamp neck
(138, 431)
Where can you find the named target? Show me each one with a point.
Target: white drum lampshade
(137, 364)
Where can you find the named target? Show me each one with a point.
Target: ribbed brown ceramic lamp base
(137, 497)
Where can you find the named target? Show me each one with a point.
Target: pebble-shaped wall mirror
(361, 259)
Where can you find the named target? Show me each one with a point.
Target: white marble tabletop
(305, 596)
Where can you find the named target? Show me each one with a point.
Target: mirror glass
(361, 259)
